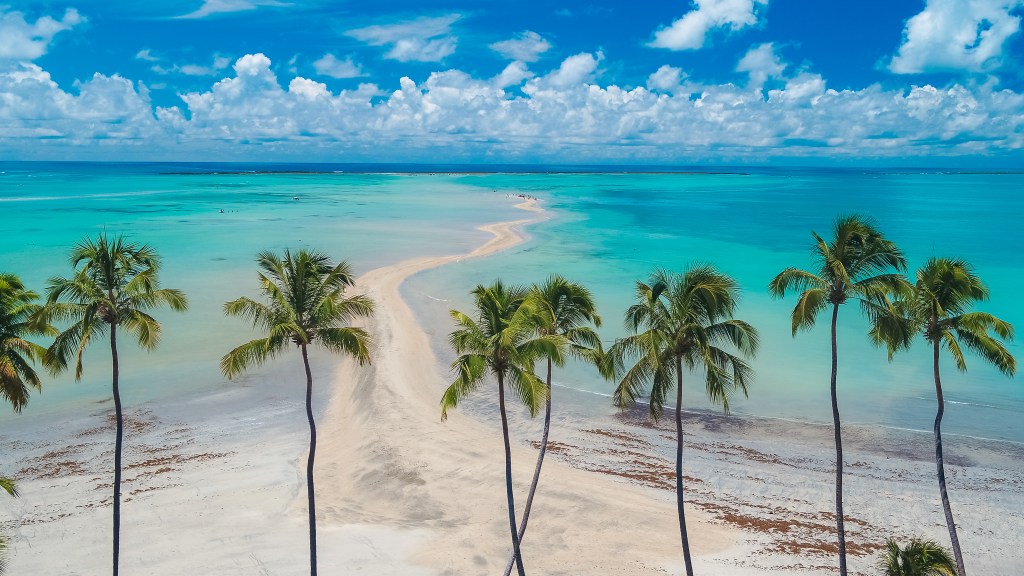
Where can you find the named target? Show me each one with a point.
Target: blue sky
(912, 82)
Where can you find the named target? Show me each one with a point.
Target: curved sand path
(386, 460)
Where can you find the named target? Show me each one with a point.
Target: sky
(689, 82)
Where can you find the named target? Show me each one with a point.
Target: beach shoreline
(398, 492)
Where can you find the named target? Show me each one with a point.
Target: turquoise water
(369, 219)
(612, 229)
(607, 231)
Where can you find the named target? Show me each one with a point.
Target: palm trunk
(939, 467)
(309, 464)
(840, 530)
(117, 448)
(679, 466)
(536, 471)
(508, 477)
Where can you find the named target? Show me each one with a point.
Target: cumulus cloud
(526, 47)
(211, 7)
(21, 40)
(423, 39)
(513, 75)
(761, 63)
(563, 115)
(665, 79)
(957, 35)
(330, 65)
(574, 70)
(690, 32)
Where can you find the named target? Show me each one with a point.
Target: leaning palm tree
(938, 309)
(567, 309)
(857, 263)
(681, 322)
(114, 286)
(305, 304)
(917, 558)
(501, 341)
(17, 354)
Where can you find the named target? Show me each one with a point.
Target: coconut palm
(305, 305)
(502, 341)
(938, 309)
(563, 308)
(918, 558)
(857, 264)
(17, 354)
(680, 321)
(7, 485)
(114, 286)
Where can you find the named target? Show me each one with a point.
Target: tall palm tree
(502, 341)
(17, 354)
(917, 558)
(114, 286)
(938, 309)
(680, 322)
(305, 304)
(856, 263)
(567, 309)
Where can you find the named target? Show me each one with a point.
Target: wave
(85, 196)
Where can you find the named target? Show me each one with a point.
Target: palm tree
(114, 286)
(7, 485)
(938, 309)
(918, 558)
(563, 308)
(17, 308)
(502, 341)
(680, 321)
(855, 264)
(305, 304)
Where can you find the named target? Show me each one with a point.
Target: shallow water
(607, 231)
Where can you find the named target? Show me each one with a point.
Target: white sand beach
(215, 485)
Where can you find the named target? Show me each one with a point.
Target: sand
(215, 484)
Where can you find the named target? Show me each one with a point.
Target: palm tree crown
(116, 283)
(854, 264)
(938, 308)
(17, 354)
(502, 341)
(681, 322)
(917, 558)
(305, 303)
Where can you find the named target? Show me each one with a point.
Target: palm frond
(470, 370)
(354, 342)
(252, 353)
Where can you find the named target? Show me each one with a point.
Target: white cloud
(526, 47)
(666, 79)
(513, 75)
(20, 40)
(217, 65)
(146, 55)
(574, 70)
(761, 63)
(564, 115)
(690, 32)
(330, 65)
(210, 7)
(422, 40)
(957, 35)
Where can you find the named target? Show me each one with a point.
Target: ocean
(608, 227)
